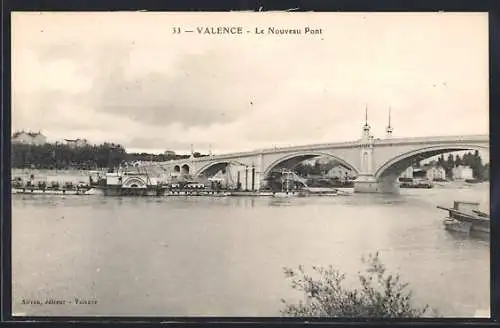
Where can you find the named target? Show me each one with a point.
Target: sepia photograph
(250, 164)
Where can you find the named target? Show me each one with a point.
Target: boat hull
(198, 193)
(288, 194)
(457, 226)
(133, 192)
(48, 192)
(464, 217)
(252, 193)
(325, 194)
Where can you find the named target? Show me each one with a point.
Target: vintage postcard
(250, 164)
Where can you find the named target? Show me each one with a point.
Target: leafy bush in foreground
(380, 294)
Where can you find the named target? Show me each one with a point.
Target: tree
(449, 164)
(486, 172)
(316, 170)
(380, 294)
(441, 161)
(62, 156)
(326, 167)
(477, 166)
(302, 170)
(466, 159)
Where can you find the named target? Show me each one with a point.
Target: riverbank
(77, 176)
(459, 184)
(83, 190)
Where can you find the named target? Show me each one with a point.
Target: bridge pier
(389, 185)
(366, 183)
(257, 182)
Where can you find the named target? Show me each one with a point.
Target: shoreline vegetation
(380, 294)
(57, 156)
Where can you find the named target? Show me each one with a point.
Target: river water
(225, 256)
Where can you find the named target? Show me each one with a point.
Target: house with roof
(408, 173)
(462, 172)
(429, 172)
(31, 138)
(436, 172)
(75, 143)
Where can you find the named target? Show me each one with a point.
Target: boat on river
(327, 192)
(415, 183)
(240, 193)
(126, 183)
(174, 192)
(465, 217)
(42, 187)
(286, 194)
(62, 192)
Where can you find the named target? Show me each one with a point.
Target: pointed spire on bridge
(366, 115)
(389, 128)
(366, 127)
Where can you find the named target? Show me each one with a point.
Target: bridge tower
(366, 181)
(366, 147)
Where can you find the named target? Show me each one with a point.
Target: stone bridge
(377, 163)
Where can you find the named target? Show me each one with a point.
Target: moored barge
(466, 217)
(33, 187)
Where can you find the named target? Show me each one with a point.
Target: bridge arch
(177, 168)
(291, 160)
(212, 167)
(398, 164)
(185, 169)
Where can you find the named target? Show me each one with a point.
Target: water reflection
(244, 202)
(472, 235)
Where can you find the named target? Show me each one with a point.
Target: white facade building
(462, 173)
(340, 172)
(436, 173)
(30, 138)
(408, 173)
(76, 142)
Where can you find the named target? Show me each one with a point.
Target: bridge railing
(434, 139)
(348, 144)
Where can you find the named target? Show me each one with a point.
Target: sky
(126, 78)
